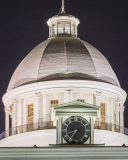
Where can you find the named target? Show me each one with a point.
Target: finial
(63, 11)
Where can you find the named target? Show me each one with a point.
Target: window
(54, 103)
(81, 100)
(67, 28)
(73, 29)
(54, 29)
(102, 113)
(60, 28)
(30, 113)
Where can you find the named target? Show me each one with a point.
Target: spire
(63, 11)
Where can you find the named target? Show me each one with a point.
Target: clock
(76, 130)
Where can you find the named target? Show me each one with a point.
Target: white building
(62, 69)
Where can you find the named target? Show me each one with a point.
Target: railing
(110, 127)
(63, 34)
(27, 128)
(49, 125)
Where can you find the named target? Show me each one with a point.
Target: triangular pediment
(75, 105)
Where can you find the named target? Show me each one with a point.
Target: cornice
(62, 86)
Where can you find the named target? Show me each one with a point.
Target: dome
(63, 58)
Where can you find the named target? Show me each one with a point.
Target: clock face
(76, 129)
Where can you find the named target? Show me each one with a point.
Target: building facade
(62, 69)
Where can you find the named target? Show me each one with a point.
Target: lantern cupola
(63, 24)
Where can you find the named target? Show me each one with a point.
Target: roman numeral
(66, 136)
(65, 124)
(75, 118)
(64, 130)
(85, 136)
(87, 130)
(85, 125)
(69, 121)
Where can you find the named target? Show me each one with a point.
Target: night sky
(103, 23)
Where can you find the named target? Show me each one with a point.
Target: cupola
(63, 24)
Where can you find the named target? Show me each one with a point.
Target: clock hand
(74, 133)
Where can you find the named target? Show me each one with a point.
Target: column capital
(6, 110)
(117, 100)
(121, 109)
(38, 94)
(69, 91)
(14, 101)
(98, 94)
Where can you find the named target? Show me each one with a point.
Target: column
(112, 114)
(25, 115)
(7, 121)
(15, 115)
(64, 27)
(56, 28)
(45, 110)
(38, 96)
(70, 28)
(76, 30)
(51, 30)
(20, 116)
(121, 109)
(117, 101)
(98, 95)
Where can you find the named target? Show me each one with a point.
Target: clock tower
(75, 122)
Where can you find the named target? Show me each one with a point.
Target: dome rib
(92, 59)
(41, 59)
(66, 56)
(103, 68)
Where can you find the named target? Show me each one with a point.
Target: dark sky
(104, 24)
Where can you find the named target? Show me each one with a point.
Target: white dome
(63, 58)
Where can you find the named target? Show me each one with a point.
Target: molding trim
(62, 86)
